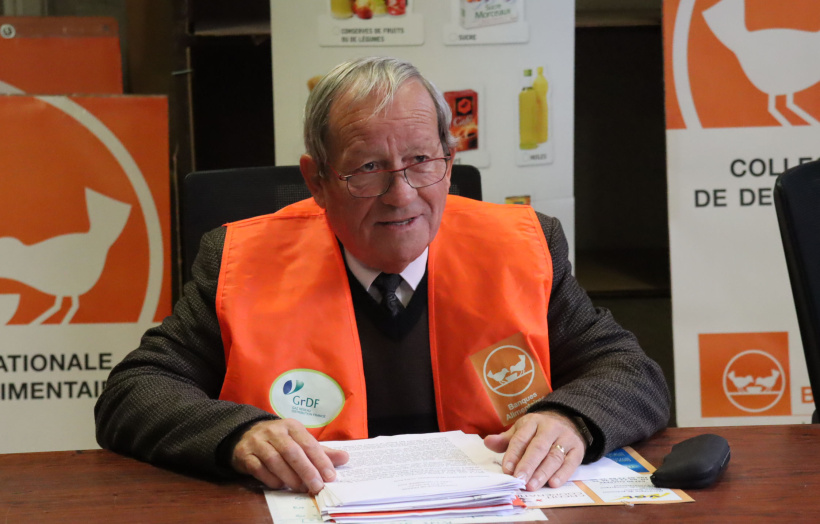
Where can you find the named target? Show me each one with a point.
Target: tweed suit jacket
(161, 404)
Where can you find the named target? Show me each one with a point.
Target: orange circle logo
(754, 381)
(508, 371)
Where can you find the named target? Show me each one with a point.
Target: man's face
(389, 231)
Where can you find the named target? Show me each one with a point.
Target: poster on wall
(486, 22)
(743, 105)
(85, 237)
(505, 67)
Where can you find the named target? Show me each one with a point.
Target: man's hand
(539, 448)
(283, 453)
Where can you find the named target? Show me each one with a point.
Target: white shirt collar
(412, 274)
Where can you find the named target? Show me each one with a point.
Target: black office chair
(213, 198)
(797, 201)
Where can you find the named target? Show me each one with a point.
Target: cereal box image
(464, 106)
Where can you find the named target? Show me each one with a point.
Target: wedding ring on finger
(560, 448)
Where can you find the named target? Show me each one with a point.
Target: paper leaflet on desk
(599, 484)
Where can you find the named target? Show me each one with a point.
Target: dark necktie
(387, 283)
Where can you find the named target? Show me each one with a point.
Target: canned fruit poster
(356, 23)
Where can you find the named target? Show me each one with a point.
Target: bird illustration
(519, 367)
(768, 382)
(777, 61)
(67, 265)
(498, 377)
(740, 382)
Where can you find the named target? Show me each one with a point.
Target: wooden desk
(773, 474)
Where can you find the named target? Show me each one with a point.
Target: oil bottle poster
(743, 105)
(534, 145)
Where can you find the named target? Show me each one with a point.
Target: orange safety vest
(286, 315)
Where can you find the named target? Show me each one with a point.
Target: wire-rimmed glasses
(377, 183)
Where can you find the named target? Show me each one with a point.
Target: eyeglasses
(377, 183)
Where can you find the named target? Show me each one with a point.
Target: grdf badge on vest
(512, 378)
(306, 395)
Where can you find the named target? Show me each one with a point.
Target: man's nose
(400, 191)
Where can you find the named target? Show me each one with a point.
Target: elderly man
(381, 306)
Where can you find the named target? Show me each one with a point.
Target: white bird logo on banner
(777, 61)
(67, 265)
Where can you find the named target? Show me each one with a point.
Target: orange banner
(60, 55)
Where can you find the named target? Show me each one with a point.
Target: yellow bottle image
(527, 113)
(540, 87)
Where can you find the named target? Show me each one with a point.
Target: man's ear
(315, 183)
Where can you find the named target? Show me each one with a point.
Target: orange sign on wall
(744, 374)
(60, 55)
(747, 63)
(84, 210)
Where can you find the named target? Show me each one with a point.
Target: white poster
(505, 66)
(743, 100)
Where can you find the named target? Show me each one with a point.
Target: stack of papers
(432, 476)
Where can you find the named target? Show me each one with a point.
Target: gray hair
(361, 78)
